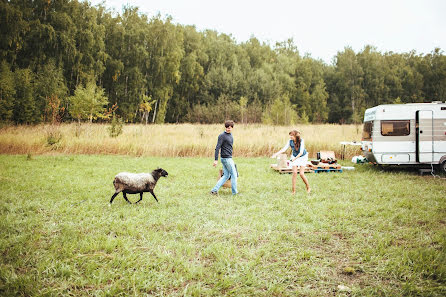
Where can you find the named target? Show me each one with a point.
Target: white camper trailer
(411, 134)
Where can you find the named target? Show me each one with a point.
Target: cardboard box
(227, 184)
(282, 161)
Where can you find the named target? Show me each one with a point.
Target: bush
(280, 112)
(53, 135)
(225, 109)
(115, 128)
(78, 129)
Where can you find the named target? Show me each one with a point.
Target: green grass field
(379, 233)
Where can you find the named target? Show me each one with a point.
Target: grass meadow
(171, 140)
(366, 232)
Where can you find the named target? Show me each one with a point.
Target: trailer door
(424, 136)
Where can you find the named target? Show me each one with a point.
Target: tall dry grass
(173, 140)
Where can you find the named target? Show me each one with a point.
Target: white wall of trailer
(402, 149)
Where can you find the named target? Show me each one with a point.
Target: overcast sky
(320, 28)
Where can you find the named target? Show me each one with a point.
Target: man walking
(224, 144)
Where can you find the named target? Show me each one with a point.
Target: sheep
(133, 183)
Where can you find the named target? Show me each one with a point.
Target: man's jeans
(228, 171)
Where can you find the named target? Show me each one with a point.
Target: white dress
(301, 161)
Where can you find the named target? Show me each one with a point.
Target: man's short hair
(229, 123)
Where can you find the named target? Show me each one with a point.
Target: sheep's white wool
(135, 180)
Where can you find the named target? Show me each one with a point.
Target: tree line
(72, 61)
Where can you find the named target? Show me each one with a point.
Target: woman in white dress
(299, 158)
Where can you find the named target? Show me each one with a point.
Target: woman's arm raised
(287, 145)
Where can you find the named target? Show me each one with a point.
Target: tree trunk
(126, 80)
(154, 112)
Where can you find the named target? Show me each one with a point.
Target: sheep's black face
(162, 172)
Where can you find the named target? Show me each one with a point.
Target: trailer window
(367, 131)
(395, 128)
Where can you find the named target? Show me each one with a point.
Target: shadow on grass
(426, 170)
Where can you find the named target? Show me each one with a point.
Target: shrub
(280, 112)
(78, 129)
(53, 135)
(225, 109)
(115, 128)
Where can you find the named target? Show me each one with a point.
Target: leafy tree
(374, 68)
(114, 66)
(303, 81)
(412, 79)
(130, 58)
(186, 92)
(243, 104)
(7, 92)
(13, 29)
(318, 103)
(258, 54)
(116, 125)
(165, 45)
(435, 76)
(350, 78)
(49, 83)
(145, 107)
(280, 112)
(88, 58)
(25, 111)
(263, 84)
(54, 47)
(88, 102)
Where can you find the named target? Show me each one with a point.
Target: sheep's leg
(125, 197)
(140, 197)
(153, 194)
(113, 197)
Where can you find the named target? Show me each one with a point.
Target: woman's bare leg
(294, 179)
(304, 178)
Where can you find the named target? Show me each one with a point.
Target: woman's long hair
(296, 138)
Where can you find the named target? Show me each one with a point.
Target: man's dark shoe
(214, 193)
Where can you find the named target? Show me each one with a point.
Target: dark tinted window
(395, 128)
(367, 131)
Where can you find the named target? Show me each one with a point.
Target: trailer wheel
(443, 166)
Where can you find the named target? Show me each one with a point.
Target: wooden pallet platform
(287, 170)
(325, 167)
(317, 170)
(321, 167)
